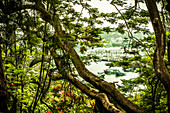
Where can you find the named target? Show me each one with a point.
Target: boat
(111, 71)
(114, 71)
(120, 74)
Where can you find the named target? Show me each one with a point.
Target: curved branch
(128, 29)
(83, 71)
(94, 94)
(99, 83)
(127, 26)
(86, 89)
(159, 65)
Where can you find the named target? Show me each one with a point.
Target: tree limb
(86, 89)
(159, 65)
(82, 70)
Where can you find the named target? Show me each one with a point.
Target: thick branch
(159, 64)
(84, 88)
(100, 83)
(94, 94)
(85, 73)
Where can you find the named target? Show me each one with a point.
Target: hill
(115, 39)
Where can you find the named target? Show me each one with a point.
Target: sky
(102, 5)
(105, 7)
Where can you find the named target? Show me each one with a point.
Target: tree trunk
(159, 65)
(100, 84)
(3, 88)
(102, 97)
(168, 45)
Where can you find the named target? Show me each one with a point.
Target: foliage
(145, 90)
(38, 66)
(68, 99)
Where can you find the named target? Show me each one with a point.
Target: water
(100, 67)
(109, 53)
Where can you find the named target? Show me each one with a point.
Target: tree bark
(160, 68)
(168, 45)
(3, 88)
(100, 84)
(102, 97)
(159, 65)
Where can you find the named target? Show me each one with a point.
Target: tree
(57, 28)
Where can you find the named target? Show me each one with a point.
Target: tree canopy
(39, 66)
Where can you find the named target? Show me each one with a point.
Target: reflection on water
(96, 67)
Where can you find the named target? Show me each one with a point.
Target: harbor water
(96, 67)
